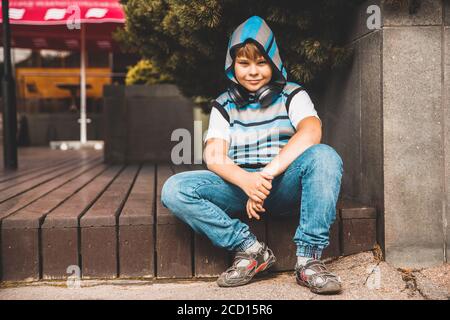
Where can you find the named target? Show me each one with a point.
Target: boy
(263, 153)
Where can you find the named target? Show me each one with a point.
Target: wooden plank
(136, 227)
(358, 226)
(99, 252)
(352, 209)
(174, 238)
(19, 231)
(280, 234)
(59, 251)
(50, 183)
(363, 212)
(35, 182)
(358, 235)
(60, 238)
(99, 228)
(32, 158)
(334, 248)
(29, 168)
(33, 163)
(281, 231)
(26, 178)
(17, 267)
(257, 227)
(137, 251)
(209, 260)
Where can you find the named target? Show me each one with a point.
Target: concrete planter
(139, 121)
(45, 127)
(388, 116)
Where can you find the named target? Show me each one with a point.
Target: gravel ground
(363, 276)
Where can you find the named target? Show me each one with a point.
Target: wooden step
(61, 231)
(108, 221)
(20, 227)
(136, 228)
(173, 237)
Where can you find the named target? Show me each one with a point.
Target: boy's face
(252, 74)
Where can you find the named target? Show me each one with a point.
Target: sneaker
(238, 275)
(318, 279)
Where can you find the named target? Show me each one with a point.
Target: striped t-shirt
(255, 134)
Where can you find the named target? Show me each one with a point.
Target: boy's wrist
(242, 178)
(267, 169)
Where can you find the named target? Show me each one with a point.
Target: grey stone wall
(387, 114)
(446, 124)
(413, 137)
(351, 110)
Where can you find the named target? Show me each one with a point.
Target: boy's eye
(262, 62)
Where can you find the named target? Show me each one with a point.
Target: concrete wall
(351, 110)
(446, 124)
(387, 114)
(414, 142)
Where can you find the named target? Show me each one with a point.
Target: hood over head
(255, 30)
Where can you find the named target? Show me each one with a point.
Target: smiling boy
(263, 153)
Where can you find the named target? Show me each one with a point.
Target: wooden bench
(109, 221)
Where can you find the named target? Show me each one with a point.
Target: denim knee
(169, 191)
(324, 158)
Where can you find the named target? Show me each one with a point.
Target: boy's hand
(257, 185)
(253, 208)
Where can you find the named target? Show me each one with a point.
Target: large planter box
(139, 121)
(46, 127)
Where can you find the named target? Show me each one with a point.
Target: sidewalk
(362, 276)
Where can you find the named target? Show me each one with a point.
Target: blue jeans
(311, 184)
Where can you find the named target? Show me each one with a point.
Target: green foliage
(187, 40)
(145, 73)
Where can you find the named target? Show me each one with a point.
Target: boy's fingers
(248, 210)
(264, 191)
(260, 207)
(256, 198)
(267, 184)
(254, 214)
(251, 209)
(257, 207)
(261, 196)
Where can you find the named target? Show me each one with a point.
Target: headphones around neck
(265, 95)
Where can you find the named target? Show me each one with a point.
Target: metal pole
(83, 132)
(9, 97)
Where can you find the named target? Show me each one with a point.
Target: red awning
(55, 24)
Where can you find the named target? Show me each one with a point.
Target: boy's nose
(253, 70)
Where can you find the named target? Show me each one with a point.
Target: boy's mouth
(253, 81)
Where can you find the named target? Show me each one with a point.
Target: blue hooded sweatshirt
(257, 134)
